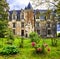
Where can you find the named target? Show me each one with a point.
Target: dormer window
(37, 14)
(18, 16)
(22, 14)
(22, 17)
(13, 16)
(10, 18)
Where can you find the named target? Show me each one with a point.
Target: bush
(58, 35)
(21, 43)
(34, 37)
(9, 41)
(39, 48)
(9, 34)
(9, 50)
(54, 42)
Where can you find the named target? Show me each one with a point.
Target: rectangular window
(13, 31)
(48, 16)
(49, 32)
(37, 24)
(10, 17)
(38, 31)
(22, 32)
(22, 24)
(42, 17)
(37, 17)
(18, 17)
(37, 14)
(14, 17)
(48, 25)
(22, 16)
(14, 25)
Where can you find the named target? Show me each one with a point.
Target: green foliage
(3, 28)
(16, 42)
(27, 52)
(37, 14)
(58, 35)
(9, 50)
(58, 10)
(40, 48)
(22, 41)
(54, 42)
(10, 34)
(34, 37)
(3, 18)
(9, 41)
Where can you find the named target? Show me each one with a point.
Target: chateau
(23, 22)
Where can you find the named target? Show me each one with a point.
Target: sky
(20, 4)
(17, 4)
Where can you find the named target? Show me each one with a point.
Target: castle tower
(29, 19)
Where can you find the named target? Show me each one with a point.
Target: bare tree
(49, 3)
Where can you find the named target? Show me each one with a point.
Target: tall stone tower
(29, 19)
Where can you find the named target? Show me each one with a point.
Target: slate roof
(29, 6)
(18, 14)
(41, 11)
(17, 11)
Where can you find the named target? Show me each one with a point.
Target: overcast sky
(18, 4)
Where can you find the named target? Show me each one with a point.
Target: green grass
(27, 52)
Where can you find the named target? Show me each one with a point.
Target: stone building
(28, 20)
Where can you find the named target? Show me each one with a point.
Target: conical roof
(29, 6)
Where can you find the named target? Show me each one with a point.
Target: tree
(3, 17)
(58, 10)
(54, 3)
(37, 14)
(40, 2)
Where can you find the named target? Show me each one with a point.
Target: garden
(33, 47)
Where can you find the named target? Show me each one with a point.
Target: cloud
(17, 4)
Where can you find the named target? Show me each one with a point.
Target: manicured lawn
(27, 52)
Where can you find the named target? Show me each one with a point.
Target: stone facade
(23, 22)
